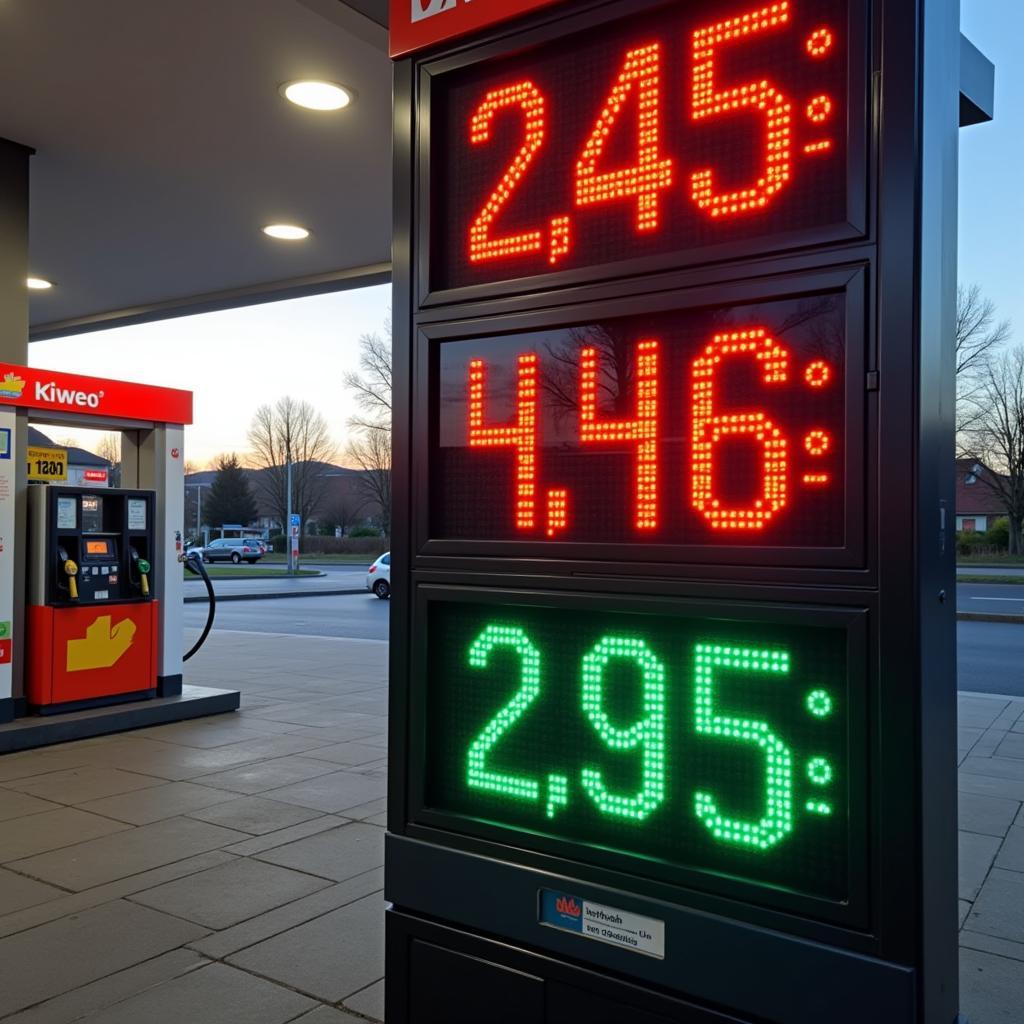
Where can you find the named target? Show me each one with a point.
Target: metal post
(288, 518)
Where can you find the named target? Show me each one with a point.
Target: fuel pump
(92, 620)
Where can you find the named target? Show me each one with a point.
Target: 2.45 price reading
(634, 106)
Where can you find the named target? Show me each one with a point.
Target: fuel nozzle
(143, 568)
(71, 570)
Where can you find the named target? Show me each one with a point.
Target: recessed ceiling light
(286, 232)
(38, 284)
(317, 95)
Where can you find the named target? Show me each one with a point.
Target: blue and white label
(603, 924)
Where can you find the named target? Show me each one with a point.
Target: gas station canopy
(163, 146)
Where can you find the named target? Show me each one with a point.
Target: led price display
(714, 745)
(698, 124)
(719, 426)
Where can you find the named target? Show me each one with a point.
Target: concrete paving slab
(103, 860)
(215, 994)
(257, 844)
(39, 762)
(144, 806)
(1012, 745)
(75, 903)
(51, 830)
(18, 805)
(987, 786)
(347, 753)
(995, 767)
(255, 815)
(275, 922)
(339, 854)
(1011, 853)
(330, 958)
(87, 946)
(79, 785)
(267, 775)
(369, 1002)
(328, 1015)
(977, 854)
(333, 793)
(991, 988)
(990, 944)
(74, 1006)
(227, 895)
(987, 815)
(18, 892)
(997, 910)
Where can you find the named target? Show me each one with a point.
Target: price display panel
(672, 131)
(711, 429)
(689, 742)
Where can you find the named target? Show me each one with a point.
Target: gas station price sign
(695, 125)
(721, 427)
(676, 741)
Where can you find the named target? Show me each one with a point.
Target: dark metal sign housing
(625, 682)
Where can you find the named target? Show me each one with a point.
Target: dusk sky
(237, 359)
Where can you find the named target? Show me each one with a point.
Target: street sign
(47, 464)
(673, 639)
(294, 521)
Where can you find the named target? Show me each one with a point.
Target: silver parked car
(233, 549)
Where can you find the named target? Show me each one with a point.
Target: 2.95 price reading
(711, 112)
(687, 741)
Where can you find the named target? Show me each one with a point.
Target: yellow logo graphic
(103, 647)
(12, 386)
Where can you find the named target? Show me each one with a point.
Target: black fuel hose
(194, 564)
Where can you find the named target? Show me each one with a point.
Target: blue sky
(237, 359)
(992, 165)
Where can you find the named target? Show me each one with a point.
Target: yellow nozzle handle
(145, 584)
(71, 568)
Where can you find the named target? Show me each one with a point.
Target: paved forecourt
(231, 869)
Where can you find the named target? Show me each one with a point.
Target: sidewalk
(230, 870)
(335, 581)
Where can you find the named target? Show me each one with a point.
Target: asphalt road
(991, 655)
(995, 570)
(356, 615)
(993, 598)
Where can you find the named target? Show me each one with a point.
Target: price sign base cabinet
(672, 666)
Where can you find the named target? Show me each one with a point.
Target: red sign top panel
(49, 391)
(690, 132)
(417, 24)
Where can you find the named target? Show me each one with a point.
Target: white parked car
(378, 577)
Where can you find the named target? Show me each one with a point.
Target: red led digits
(640, 75)
(817, 374)
(817, 442)
(530, 100)
(709, 427)
(642, 431)
(710, 103)
(521, 435)
(558, 511)
(819, 43)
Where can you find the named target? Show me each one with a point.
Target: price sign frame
(755, 555)
(556, 25)
(764, 903)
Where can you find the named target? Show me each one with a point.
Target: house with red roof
(979, 502)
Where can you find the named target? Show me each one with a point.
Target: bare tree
(979, 336)
(372, 383)
(109, 448)
(995, 436)
(291, 431)
(369, 447)
(370, 451)
(345, 512)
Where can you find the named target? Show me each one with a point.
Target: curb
(255, 576)
(221, 598)
(988, 617)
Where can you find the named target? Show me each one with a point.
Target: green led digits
(777, 822)
(648, 733)
(477, 775)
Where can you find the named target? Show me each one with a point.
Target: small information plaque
(603, 924)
